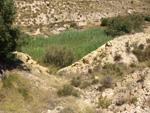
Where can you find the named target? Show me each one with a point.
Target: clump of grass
(121, 25)
(95, 81)
(7, 82)
(73, 25)
(117, 57)
(59, 56)
(134, 100)
(85, 84)
(103, 102)
(76, 81)
(67, 90)
(24, 92)
(104, 21)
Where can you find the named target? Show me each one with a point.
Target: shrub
(67, 90)
(85, 85)
(121, 25)
(107, 83)
(147, 18)
(117, 57)
(73, 25)
(134, 100)
(103, 102)
(95, 81)
(59, 56)
(104, 22)
(22, 41)
(76, 82)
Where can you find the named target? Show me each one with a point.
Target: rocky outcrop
(31, 63)
(117, 50)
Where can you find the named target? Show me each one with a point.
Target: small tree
(8, 34)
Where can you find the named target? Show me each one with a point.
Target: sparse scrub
(107, 82)
(121, 25)
(112, 69)
(7, 82)
(95, 81)
(85, 85)
(142, 55)
(76, 81)
(67, 90)
(59, 56)
(117, 57)
(24, 92)
(103, 102)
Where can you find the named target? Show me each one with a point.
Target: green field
(82, 42)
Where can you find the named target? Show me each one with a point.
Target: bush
(73, 25)
(95, 81)
(121, 25)
(67, 90)
(107, 83)
(8, 34)
(76, 82)
(147, 18)
(85, 85)
(104, 21)
(22, 41)
(59, 56)
(103, 102)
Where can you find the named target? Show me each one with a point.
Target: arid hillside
(56, 15)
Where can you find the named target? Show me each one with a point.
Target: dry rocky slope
(130, 95)
(59, 14)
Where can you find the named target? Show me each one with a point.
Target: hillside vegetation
(80, 42)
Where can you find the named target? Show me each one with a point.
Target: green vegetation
(58, 56)
(8, 34)
(121, 25)
(85, 84)
(67, 90)
(134, 100)
(73, 25)
(104, 22)
(7, 82)
(81, 42)
(24, 92)
(23, 40)
(76, 81)
(147, 18)
(142, 54)
(103, 102)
